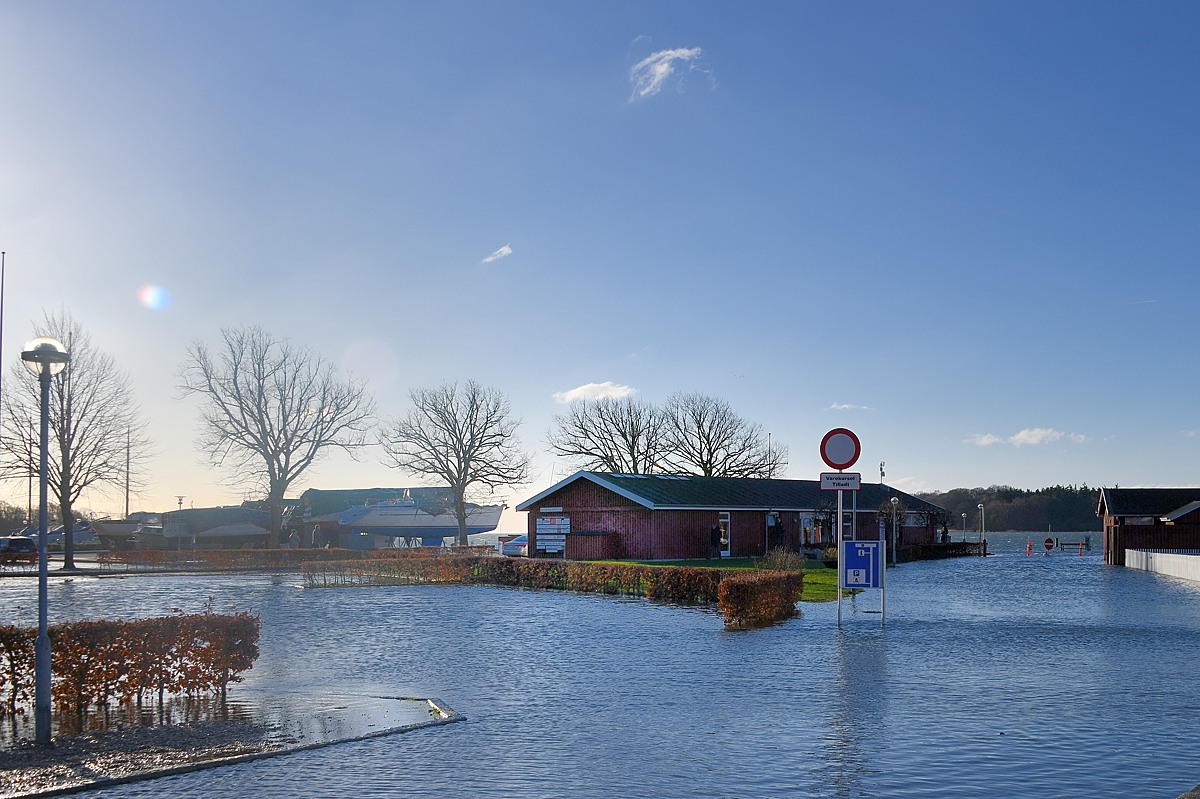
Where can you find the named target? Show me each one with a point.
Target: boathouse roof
(1155, 502)
(681, 491)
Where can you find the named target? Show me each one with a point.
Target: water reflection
(1008, 676)
(859, 708)
(173, 710)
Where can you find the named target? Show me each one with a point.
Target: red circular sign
(1049, 543)
(840, 448)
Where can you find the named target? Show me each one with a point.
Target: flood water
(1007, 676)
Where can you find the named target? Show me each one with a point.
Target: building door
(724, 525)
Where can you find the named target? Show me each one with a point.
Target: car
(516, 548)
(18, 549)
(83, 536)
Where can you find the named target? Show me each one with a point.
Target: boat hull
(410, 521)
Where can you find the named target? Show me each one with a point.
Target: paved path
(263, 726)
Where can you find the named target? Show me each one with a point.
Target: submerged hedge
(96, 663)
(754, 599)
(264, 559)
(747, 598)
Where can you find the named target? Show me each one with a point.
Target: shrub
(756, 599)
(783, 560)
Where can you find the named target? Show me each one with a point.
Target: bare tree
(889, 513)
(97, 440)
(704, 436)
(271, 409)
(614, 435)
(465, 436)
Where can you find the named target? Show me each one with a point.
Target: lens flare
(156, 298)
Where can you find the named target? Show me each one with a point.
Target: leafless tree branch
(270, 409)
(705, 436)
(97, 438)
(615, 435)
(464, 435)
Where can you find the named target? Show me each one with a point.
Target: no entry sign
(840, 448)
(1049, 543)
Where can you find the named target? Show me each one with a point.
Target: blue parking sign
(862, 564)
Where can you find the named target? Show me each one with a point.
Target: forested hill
(1058, 508)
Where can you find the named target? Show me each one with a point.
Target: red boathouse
(611, 516)
(1148, 518)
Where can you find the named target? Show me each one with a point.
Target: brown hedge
(266, 559)
(746, 598)
(96, 663)
(755, 599)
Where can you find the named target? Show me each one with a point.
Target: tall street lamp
(964, 525)
(982, 530)
(45, 357)
(895, 502)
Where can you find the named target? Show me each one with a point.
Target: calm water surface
(1009, 676)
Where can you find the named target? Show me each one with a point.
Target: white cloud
(649, 74)
(1035, 435)
(592, 391)
(503, 252)
(911, 485)
(1030, 436)
(848, 406)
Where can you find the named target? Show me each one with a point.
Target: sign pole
(840, 545)
(883, 581)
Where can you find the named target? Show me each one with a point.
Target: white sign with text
(841, 481)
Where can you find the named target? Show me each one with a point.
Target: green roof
(1156, 502)
(673, 491)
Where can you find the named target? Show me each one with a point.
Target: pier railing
(1182, 563)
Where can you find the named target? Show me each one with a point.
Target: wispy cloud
(593, 391)
(503, 252)
(1030, 436)
(848, 406)
(911, 485)
(652, 72)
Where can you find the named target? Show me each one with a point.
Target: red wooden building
(1148, 518)
(601, 516)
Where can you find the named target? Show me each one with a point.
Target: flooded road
(1008, 676)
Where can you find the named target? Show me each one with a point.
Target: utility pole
(127, 473)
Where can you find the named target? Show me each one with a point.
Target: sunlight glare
(156, 298)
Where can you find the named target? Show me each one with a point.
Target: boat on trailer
(404, 521)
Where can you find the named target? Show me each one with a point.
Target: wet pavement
(187, 735)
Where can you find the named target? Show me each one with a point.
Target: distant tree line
(1057, 508)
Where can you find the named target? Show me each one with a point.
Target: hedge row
(264, 559)
(746, 598)
(386, 571)
(96, 663)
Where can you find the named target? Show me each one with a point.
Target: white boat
(402, 518)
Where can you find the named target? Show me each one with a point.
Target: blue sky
(965, 230)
